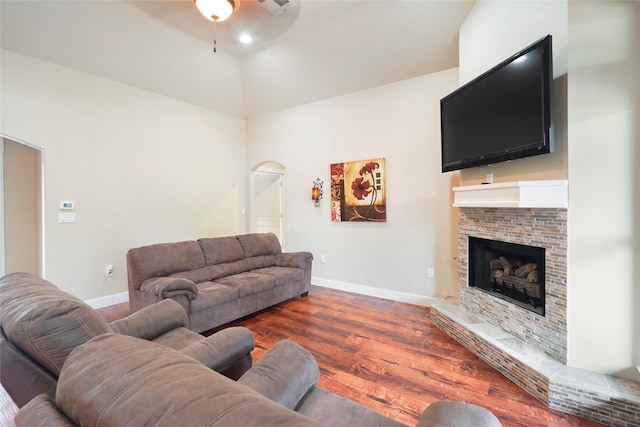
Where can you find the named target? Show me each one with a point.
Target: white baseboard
(108, 300)
(375, 292)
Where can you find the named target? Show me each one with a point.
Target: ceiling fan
(263, 20)
(220, 10)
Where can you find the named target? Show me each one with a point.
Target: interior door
(268, 206)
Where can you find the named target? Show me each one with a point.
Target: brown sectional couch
(40, 325)
(220, 279)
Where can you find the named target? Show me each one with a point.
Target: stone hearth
(529, 349)
(602, 398)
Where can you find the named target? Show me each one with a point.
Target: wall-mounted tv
(503, 114)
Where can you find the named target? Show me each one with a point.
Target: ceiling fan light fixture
(215, 10)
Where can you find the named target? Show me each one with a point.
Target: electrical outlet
(430, 272)
(108, 271)
(323, 259)
(489, 178)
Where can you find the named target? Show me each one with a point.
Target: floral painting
(358, 191)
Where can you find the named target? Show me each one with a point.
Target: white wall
(604, 138)
(400, 122)
(141, 168)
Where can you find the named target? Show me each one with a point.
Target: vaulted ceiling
(315, 50)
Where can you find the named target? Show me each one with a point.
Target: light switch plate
(67, 217)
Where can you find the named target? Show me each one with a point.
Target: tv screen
(503, 114)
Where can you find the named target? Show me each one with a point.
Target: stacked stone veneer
(546, 228)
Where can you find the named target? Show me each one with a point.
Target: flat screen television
(503, 114)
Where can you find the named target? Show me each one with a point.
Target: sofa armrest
(167, 287)
(222, 349)
(450, 413)
(293, 259)
(41, 411)
(283, 374)
(152, 321)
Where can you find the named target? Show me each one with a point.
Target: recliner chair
(41, 324)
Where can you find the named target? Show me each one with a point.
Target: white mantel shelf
(517, 194)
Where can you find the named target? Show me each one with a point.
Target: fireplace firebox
(509, 271)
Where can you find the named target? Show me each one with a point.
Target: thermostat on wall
(66, 204)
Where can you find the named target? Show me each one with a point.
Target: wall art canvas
(358, 191)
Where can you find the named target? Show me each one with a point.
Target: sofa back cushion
(218, 250)
(166, 259)
(45, 322)
(223, 255)
(257, 244)
(101, 384)
(228, 269)
(259, 249)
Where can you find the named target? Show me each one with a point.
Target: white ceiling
(316, 50)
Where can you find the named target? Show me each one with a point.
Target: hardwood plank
(8, 409)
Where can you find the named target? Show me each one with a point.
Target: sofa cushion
(211, 294)
(163, 259)
(158, 387)
(249, 283)
(256, 244)
(45, 322)
(221, 249)
(282, 275)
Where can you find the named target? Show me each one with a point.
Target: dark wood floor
(389, 357)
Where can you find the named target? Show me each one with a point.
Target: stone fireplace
(526, 344)
(533, 227)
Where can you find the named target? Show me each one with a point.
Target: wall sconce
(316, 192)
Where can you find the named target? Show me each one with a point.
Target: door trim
(41, 201)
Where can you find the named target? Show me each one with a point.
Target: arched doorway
(267, 200)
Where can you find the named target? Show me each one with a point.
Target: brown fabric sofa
(162, 387)
(40, 325)
(220, 279)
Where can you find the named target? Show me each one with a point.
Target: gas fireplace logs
(516, 275)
